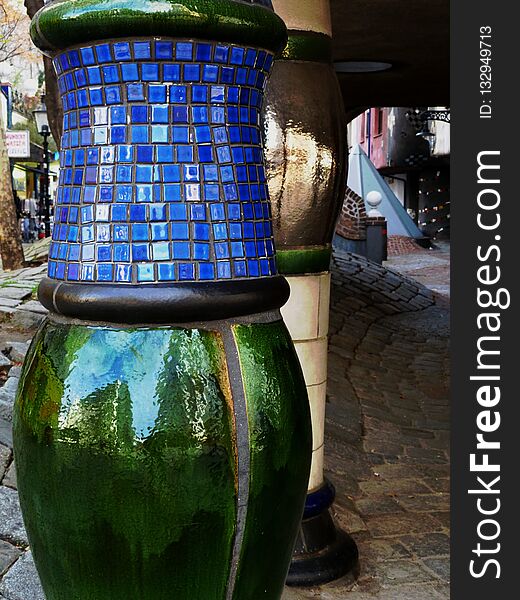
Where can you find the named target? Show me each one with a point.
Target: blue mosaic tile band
(162, 172)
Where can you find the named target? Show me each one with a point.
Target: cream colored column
(306, 315)
(306, 155)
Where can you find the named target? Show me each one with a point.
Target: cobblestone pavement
(387, 431)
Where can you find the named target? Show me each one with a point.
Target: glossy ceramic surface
(162, 174)
(140, 479)
(65, 23)
(305, 148)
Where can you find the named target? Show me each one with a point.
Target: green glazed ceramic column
(162, 429)
(306, 152)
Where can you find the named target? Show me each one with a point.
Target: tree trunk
(10, 240)
(52, 95)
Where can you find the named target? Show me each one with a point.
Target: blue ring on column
(319, 501)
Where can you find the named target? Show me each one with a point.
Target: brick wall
(352, 221)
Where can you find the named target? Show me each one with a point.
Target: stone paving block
(16, 350)
(6, 433)
(5, 457)
(440, 567)
(35, 306)
(21, 581)
(26, 319)
(8, 554)
(396, 572)
(438, 484)
(15, 293)
(9, 479)
(378, 505)
(9, 302)
(431, 544)
(7, 395)
(401, 524)
(11, 523)
(444, 518)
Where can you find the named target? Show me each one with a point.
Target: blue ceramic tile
(142, 50)
(198, 212)
(201, 251)
(135, 92)
(253, 268)
(94, 75)
(160, 231)
(220, 231)
(218, 212)
(240, 268)
(163, 50)
(150, 72)
(172, 72)
(202, 134)
(157, 93)
(220, 135)
(145, 273)
(122, 252)
(184, 51)
(166, 271)
(160, 114)
(125, 153)
(210, 73)
(224, 270)
(186, 271)
(161, 251)
(205, 154)
(129, 72)
(211, 192)
(118, 134)
(119, 212)
(181, 250)
(110, 73)
(143, 193)
(203, 52)
(139, 114)
(171, 173)
(139, 134)
(221, 53)
(178, 212)
(123, 273)
(122, 51)
(180, 231)
(139, 232)
(237, 250)
(103, 53)
(206, 271)
(185, 154)
(180, 114)
(140, 252)
(157, 212)
(164, 154)
(159, 134)
(172, 193)
(113, 94)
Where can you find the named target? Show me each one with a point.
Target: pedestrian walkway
(387, 430)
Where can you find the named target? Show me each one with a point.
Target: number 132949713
(485, 72)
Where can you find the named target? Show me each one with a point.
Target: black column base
(323, 552)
